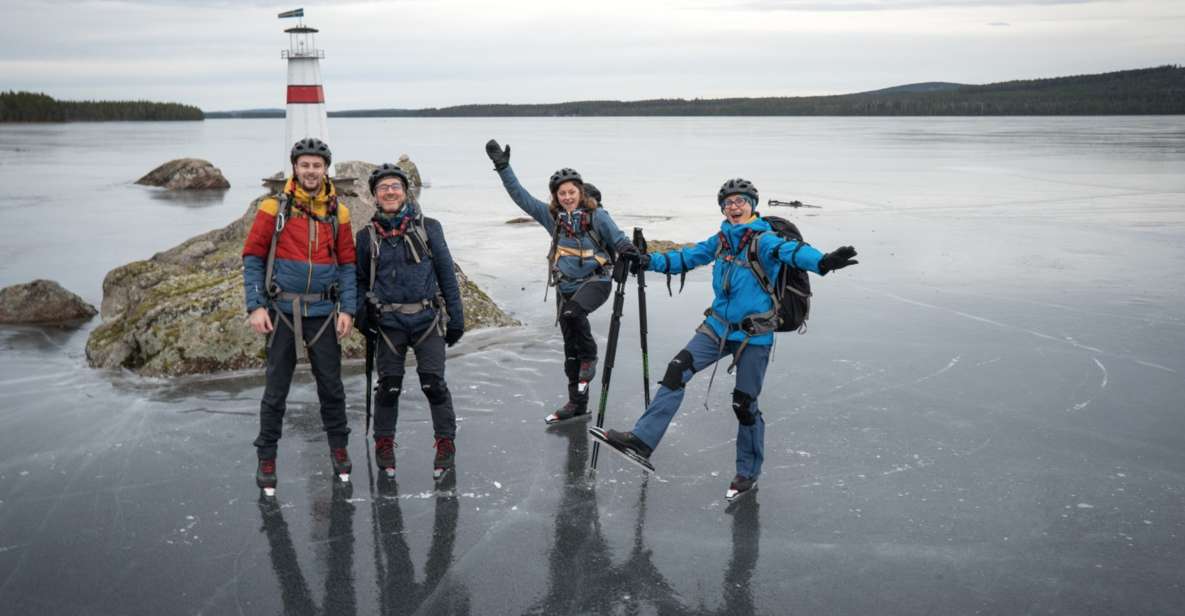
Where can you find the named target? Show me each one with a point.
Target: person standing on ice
(298, 276)
(408, 297)
(584, 243)
(738, 324)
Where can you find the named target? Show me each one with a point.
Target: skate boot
(626, 444)
(445, 457)
(384, 454)
(571, 410)
(341, 463)
(576, 408)
(740, 486)
(265, 476)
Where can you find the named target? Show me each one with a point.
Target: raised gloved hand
(452, 335)
(837, 259)
(500, 157)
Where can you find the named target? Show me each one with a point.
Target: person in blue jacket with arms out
(584, 243)
(738, 324)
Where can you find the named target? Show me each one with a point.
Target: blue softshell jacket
(745, 295)
(579, 257)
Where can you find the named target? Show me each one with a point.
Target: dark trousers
(579, 344)
(325, 358)
(429, 367)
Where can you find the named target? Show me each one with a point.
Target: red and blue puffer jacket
(309, 259)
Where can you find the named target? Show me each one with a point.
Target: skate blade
(633, 458)
(344, 477)
(269, 492)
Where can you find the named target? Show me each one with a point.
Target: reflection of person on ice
(738, 324)
(408, 297)
(584, 240)
(298, 274)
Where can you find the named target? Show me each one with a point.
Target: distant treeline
(1159, 90)
(35, 107)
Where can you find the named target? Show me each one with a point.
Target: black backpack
(791, 292)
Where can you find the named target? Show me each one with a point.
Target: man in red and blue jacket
(299, 281)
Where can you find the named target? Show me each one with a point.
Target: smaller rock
(660, 246)
(42, 302)
(521, 220)
(186, 174)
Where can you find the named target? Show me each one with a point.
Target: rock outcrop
(182, 311)
(42, 302)
(186, 174)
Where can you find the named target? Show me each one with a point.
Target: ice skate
(341, 463)
(265, 476)
(445, 457)
(571, 410)
(384, 454)
(739, 487)
(625, 443)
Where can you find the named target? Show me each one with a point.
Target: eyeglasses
(396, 187)
(734, 202)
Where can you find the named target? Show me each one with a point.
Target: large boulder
(42, 302)
(186, 174)
(182, 311)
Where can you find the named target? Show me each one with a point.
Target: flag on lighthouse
(293, 13)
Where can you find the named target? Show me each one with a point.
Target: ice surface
(984, 416)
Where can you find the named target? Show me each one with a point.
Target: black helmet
(561, 176)
(387, 170)
(592, 191)
(313, 146)
(736, 186)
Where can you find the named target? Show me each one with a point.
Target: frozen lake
(987, 415)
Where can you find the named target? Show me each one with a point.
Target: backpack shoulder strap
(283, 210)
(374, 253)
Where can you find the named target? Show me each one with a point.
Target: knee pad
(673, 379)
(572, 312)
(741, 403)
(387, 393)
(435, 389)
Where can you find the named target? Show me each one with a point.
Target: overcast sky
(430, 53)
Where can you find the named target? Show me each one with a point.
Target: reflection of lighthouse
(306, 97)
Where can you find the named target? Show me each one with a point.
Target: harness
(415, 239)
(554, 275)
(273, 291)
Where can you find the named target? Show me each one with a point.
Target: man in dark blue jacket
(738, 324)
(408, 296)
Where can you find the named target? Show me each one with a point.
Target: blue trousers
(750, 374)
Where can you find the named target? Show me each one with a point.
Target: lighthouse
(306, 97)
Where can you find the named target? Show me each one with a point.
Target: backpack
(791, 292)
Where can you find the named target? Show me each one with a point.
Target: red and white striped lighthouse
(306, 96)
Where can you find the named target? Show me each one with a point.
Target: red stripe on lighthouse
(306, 94)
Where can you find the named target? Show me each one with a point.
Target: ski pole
(640, 244)
(369, 379)
(620, 274)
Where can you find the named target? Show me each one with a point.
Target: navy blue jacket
(400, 280)
(578, 255)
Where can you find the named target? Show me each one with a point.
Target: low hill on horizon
(1157, 90)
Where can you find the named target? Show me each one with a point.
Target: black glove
(500, 157)
(368, 319)
(451, 336)
(837, 259)
(638, 261)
